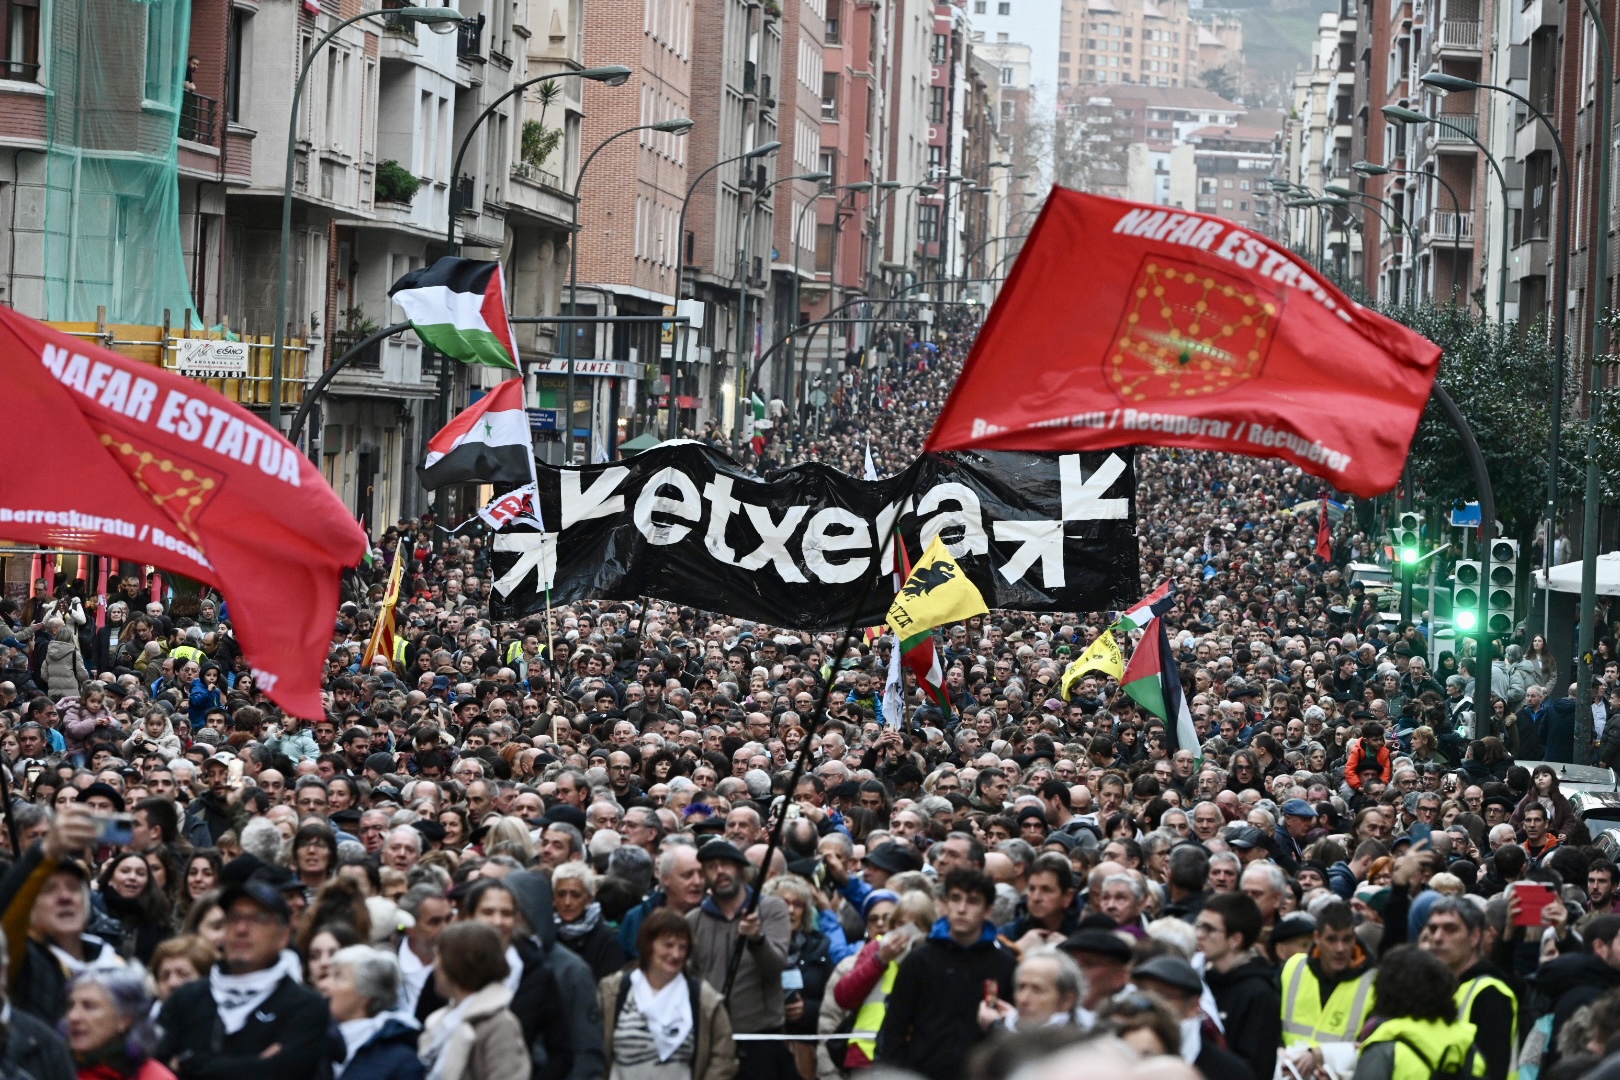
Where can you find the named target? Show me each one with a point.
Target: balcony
(1460, 38)
(463, 194)
(1457, 133)
(369, 359)
(767, 98)
(469, 39)
(1449, 226)
(395, 22)
(198, 119)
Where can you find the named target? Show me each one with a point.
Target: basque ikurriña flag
(1124, 324)
(458, 306)
(489, 442)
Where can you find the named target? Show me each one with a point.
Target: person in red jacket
(1370, 747)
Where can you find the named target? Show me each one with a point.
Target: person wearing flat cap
(46, 900)
(252, 1018)
(719, 928)
(1174, 980)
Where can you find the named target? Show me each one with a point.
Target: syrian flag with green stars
(458, 307)
(1152, 681)
(488, 442)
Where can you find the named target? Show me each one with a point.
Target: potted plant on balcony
(395, 183)
(773, 9)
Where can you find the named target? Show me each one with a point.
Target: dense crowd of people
(544, 850)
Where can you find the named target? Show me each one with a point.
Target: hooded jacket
(390, 1054)
(63, 669)
(1250, 1001)
(573, 976)
(932, 1018)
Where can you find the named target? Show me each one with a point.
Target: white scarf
(514, 963)
(236, 996)
(1192, 1038)
(356, 1033)
(104, 958)
(668, 1012)
(413, 977)
(433, 1055)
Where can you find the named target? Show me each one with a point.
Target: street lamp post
(1448, 83)
(680, 263)
(1398, 226)
(1412, 116)
(742, 295)
(1402, 115)
(678, 126)
(1367, 168)
(612, 75)
(440, 21)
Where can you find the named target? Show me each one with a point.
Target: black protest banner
(811, 548)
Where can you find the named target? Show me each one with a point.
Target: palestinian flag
(488, 442)
(757, 405)
(1152, 681)
(1154, 605)
(458, 306)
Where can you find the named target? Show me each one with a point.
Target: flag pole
(801, 762)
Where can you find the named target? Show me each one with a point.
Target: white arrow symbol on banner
(537, 555)
(1081, 500)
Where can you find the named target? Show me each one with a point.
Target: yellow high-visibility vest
(872, 1011)
(1468, 991)
(1307, 1021)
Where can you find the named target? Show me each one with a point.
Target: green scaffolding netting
(116, 80)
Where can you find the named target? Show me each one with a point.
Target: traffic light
(1408, 538)
(1465, 586)
(1503, 587)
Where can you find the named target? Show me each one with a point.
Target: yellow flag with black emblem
(936, 592)
(1101, 655)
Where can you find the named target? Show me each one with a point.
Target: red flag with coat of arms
(1127, 324)
(139, 463)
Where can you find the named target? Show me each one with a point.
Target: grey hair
(262, 839)
(759, 783)
(407, 831)
(1271, 872)
(411, 902)
(1225, 856)
(375, 973)
(1071, 979)
(1138, 890)
(127, 987)
(630, 863)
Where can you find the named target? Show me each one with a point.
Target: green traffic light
(1467, 620)
(1409, 554)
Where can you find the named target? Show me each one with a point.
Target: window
(1226, 204)
(233, 64)
(19, 32)
(942, 49)
(1006, 76)
(936, 105)
(1004, 8)
(829, 164)
(1063, 58)
(829, 95)
(160, 58)
(936, 161)
(928, 223)
(831, 34)
(978, 7)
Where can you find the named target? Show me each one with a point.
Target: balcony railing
(469, 39)
(368, 359)
(395, 22)
(1460, 34)
(197, 117)
(1449, 131)
(1446, 226)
